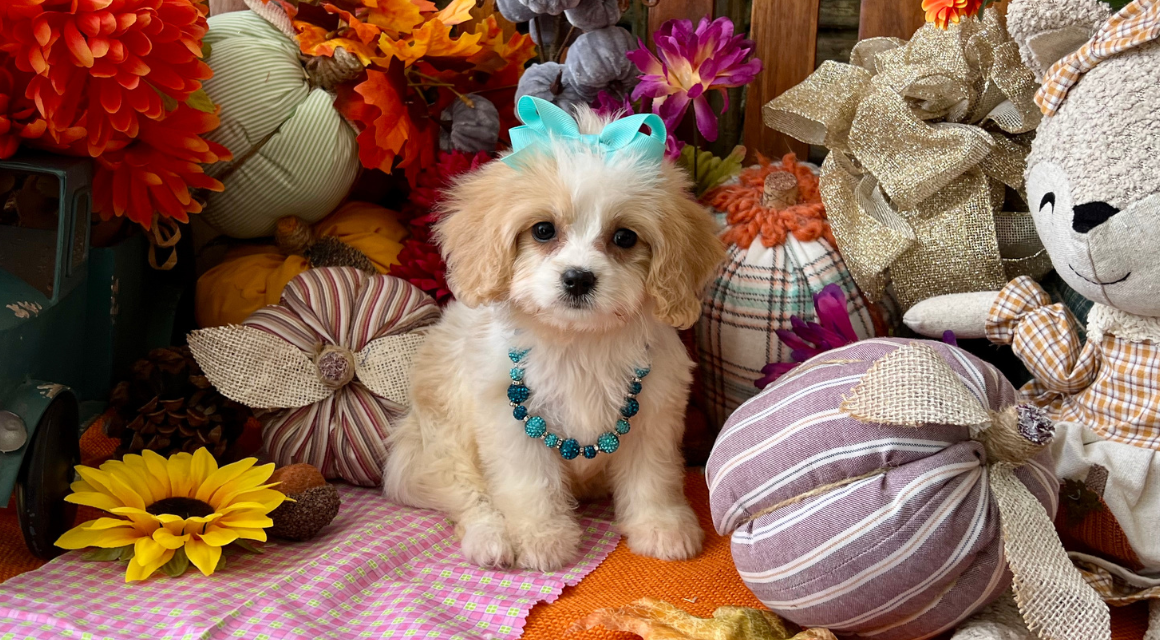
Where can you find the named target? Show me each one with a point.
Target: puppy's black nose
(578, 282)
(1091, 215)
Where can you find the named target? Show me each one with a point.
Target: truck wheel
(45, 477)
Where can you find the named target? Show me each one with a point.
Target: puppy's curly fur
(461, 450)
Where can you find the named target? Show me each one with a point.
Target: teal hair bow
(544, 121)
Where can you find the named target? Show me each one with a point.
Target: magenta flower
(608, 105)
(808, 339)
(691, 63)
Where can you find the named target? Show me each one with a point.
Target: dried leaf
(657, 620)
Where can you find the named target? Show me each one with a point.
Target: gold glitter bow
(925, 139)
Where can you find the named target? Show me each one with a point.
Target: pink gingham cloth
(378, 571)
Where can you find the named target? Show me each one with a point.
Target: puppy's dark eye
(1048, 199)
(543, 231)
(624, 238)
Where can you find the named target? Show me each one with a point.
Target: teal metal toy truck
(73, 318)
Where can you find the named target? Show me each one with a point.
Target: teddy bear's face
(1093, 183)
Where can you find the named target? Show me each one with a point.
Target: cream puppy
(590, 261)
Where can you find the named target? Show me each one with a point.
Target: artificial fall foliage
(118, 81)
(418, 60)
(420, 261)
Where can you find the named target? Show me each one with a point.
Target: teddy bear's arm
(1044, 337)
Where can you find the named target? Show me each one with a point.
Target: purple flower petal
(706, 119)
(773, 372)
(830, 304)
(950, 338)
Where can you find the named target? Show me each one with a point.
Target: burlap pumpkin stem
(168, 405)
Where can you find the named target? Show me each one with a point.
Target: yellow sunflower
(185, 505)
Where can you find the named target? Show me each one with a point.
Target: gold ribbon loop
(912, 116)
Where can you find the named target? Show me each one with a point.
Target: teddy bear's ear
(1048, 30)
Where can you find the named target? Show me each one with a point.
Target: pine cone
(168, 405)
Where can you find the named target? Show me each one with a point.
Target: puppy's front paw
(668, 535)
(549, 545)
(485, 544)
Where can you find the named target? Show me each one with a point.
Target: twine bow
(544, 121)
(913, 386)
(925, 137)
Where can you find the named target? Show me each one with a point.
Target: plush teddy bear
(1093, 186)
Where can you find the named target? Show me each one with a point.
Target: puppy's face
(579, 241)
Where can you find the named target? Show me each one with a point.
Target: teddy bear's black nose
(1091, 215)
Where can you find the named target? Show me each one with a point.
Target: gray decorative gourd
(514, 10)
(473, 128)
(591, 15)
(549, 81)
(598, 61)
(550, 7)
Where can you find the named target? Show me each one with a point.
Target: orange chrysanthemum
(747, 217)
(944, 12)
(156, 171)
(18, 119)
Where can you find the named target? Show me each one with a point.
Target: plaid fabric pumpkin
(756, 291)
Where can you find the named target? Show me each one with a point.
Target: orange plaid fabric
(1135, 24)
(1110, 384)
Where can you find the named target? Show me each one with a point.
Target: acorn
(315, 504)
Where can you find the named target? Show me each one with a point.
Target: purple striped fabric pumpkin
(899, 537)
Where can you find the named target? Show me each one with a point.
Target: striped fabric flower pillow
(329, 366)
(867, 529)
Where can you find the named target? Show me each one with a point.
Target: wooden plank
(897, 18)
(679, 9)
(786, 35)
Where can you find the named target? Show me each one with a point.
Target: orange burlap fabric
(698, 586)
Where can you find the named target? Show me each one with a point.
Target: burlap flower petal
(257, 368)
(384, 366)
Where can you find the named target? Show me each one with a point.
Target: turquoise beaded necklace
(537, 428)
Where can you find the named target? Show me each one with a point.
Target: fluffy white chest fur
(462, 450)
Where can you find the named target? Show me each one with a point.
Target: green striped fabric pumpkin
(294, 155)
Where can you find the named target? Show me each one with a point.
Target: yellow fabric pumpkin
(251, 277)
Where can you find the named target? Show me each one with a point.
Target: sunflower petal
(137, 571)
(146, 550)
(218, 536)
(247, 519)
(98, 480)
(203, 556)
(157, 467)
(79, 536)
(222, 476)
(201, 467)
(107, 523)
(246, 533)
(166, 539)
(178, 469)
(93, 499)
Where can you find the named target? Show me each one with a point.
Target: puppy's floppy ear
(476, 236)
(685, 254)
(1047, 30)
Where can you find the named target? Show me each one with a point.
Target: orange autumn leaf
(431, 39)
(389, 129)
(459, 11)
(367, 33)
(396, 18)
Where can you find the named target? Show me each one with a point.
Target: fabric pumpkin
(293, 153)
(872, 529)
(514, 10)
(474, 128)
(548, 81)
(777, 261)
(253, 276)
(599, 59)
(590, 15)
(550, 7)
(330, 363)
